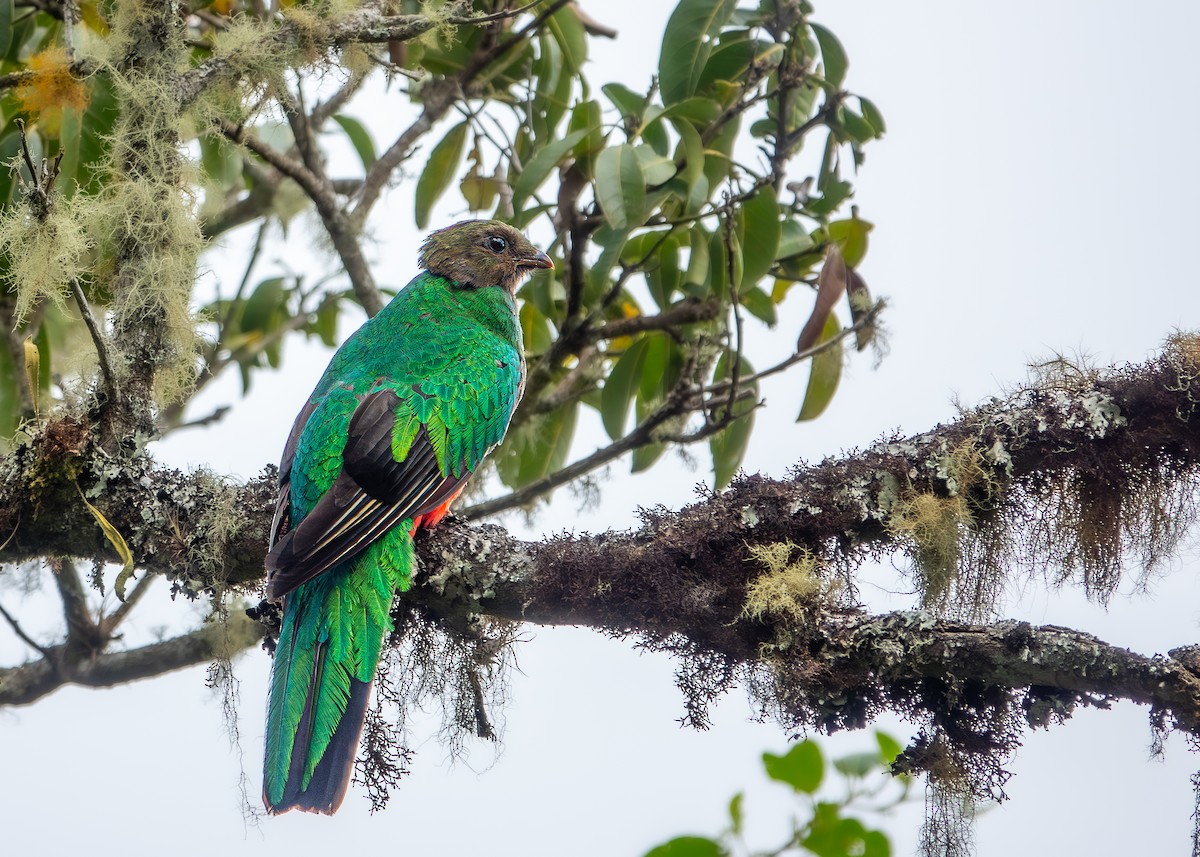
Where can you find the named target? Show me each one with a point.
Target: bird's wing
(372, 493)
(281, 523)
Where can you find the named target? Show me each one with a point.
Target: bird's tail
(320, 686)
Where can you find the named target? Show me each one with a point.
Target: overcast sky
(1035, 194)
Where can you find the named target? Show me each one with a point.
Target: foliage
(673, 221)
(826, 827)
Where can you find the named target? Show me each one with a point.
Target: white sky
(1035, 194)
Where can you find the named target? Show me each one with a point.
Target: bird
(406, 411)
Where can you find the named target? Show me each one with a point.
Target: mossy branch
(292, 37)
(1081, 468)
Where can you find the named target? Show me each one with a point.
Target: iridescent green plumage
(406, 411)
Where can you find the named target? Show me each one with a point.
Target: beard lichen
(465, 670)
(792, 585)
(44, 256)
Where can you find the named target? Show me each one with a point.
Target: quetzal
(406, 411)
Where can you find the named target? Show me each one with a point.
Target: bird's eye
(497, 244)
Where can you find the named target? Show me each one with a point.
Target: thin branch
(29, 641)
(496, 16)
(867, 320)
(687, 311)
(340, 227)
(437, 97)
(106, 371)
(83, 635)
(31, 681)
(367, 24)
(641, 435)
(109, 624)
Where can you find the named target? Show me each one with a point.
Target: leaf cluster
(827, 826)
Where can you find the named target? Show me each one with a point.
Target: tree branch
(1079, 468)
(318, 188)
(366, 24)
(31, 681)
(646, 583)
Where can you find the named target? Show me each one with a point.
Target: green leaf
(737, 815)
(261, 306)
(572, 39)
(10, 397)
(728, 446)
(535, 329)
(855, 127)
(538, 448)
(628, 102)
(552, 92)
(547, 158)
(793, 240)
(619, 389)
(6, 25)
(663, 276)
(440, 169)
(833, 55)
(690, 153)
(688, 846)
(611, 242)
(824, 375)
(661, 365)
(732, 57)
(360, 138)
(875, 844)
(220, 159)
(620, 186)
(851, 236)
(718, 154)
(737, 259)
(871, 113)
(856, 764)
(889, 748)
(759, 233)
(728, 60)
(697, 111)
(802, 767)
(325, 325)
(586, 117)
(760, 305)
(696, 279)
(655, 168)
(687, 45)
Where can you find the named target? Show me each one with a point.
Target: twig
(32, 681)
(642, 434)
(341, 228)
(82, 633)
(687, 311)
(735, 300)
(869, 318)
(496, 16)
(437, 98)
(70, 17)
(108, 624)
(106, 371)
(216, 416)
(12, 623)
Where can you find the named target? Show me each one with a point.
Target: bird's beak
(541, 260)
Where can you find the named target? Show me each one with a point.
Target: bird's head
(481, 253)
